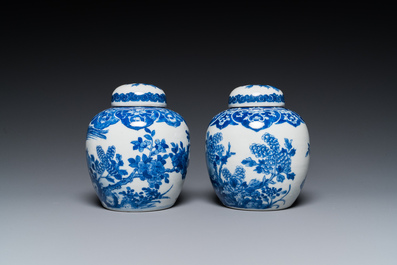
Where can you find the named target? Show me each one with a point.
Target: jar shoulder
(135, 118)
(136, 110)
(108, 116)
(256, 118)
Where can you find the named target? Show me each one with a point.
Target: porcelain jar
(138, 150)
(257, 151)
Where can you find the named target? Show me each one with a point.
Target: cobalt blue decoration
(138, 151)
(257, 151)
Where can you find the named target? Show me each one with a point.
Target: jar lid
(138, 94)
(256, 95)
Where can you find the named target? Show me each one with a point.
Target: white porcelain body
(134, 157)
(138, 151)
(257, 157)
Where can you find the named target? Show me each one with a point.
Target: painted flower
(214, 149)
(260, 150)
(272, 161)
(155, 174)
(149, 166)
(140, 144)
(160, 146)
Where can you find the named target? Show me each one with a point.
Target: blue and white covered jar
(138, 150)
(257, 151)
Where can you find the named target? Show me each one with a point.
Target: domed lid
(138, 94)
(255, 96)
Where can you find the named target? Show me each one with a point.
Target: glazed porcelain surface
(257, 151)
(138, 151)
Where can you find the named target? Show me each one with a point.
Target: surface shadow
(304, 198)
(209, 196)
(92, 199)
(187, 196)
(213, 199)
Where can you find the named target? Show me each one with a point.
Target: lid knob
(256, 96)
(138, 94)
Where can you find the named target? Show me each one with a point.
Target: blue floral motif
(271, 161)
(111, 180)
(256, 118)
(135, 118)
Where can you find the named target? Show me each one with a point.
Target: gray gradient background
(337, 69)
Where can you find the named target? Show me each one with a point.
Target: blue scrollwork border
(149, 96)
(251, 98)
(135, 118)
(255, 118)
